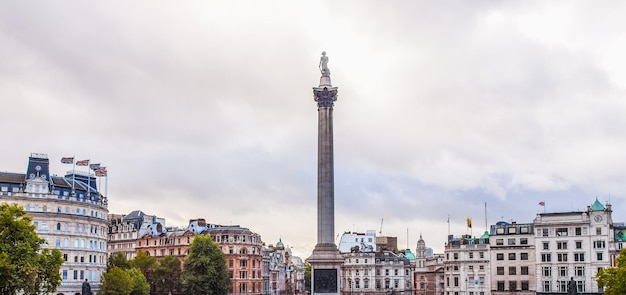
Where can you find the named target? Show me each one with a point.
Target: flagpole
(486, 226)
(88, 182)
(106, 186)
(73, 174)
(448, 225)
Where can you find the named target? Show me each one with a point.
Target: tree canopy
(205, 268)
(24, 266)
(167, 275)
(116, 281)
(613, 279)
(118, 259)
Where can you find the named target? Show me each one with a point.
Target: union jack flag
(102, 171)
(82, 163)
(67, 160)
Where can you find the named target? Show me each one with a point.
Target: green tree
(613, 279)
(205, 268)
(307, 277)
(115, 281)
(24, 266)
(146, 264)
(138, 283)
(167, 275)
(119, 281)
(118, 259)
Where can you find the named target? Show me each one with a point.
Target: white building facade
(572, 245)
(512, 255)
(467, 266)
(69, 213)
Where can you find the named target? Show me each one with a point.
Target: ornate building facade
(125, 230)
(69, 213)
(244, 256)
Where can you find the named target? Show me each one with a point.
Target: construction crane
(380, 232)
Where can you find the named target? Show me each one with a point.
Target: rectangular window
(523, 241)
(511, 256)
(562, 271)
(561, 286)
(64, 275)
(511, 241)
(598, 231)
(599, 245)
(512, 286)
(523, 256)
(561, 257)
(500, 256)
(544, 232)
(500, 270)
(546, 245)
(561, 245)
(500, 286)
(579, 231)
(525, 285)
(524, 270)
(599, 256)
(482, 255)
(579, 256)
(471, 255)
(456, 256)
(580, 285)
(512, 270)
(512, 230)
(546, 286)
(499, 242)
(547, 271)
(579, 271)
(561, 232)
(579, 244)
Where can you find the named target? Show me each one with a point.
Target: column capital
(325, 96)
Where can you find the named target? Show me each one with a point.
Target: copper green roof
(620, 235)
(597, 206)
(409, 255)
(485, 235)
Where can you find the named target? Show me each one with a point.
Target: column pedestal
(325, 269)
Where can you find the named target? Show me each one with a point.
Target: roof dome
(409, 255)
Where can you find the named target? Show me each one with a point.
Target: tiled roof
(12, 177)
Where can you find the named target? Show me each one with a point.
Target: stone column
(325, 260)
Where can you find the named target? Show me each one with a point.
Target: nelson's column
(325, 260)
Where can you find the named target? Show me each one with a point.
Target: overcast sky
(204, 109)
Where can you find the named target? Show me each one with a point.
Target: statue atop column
(324, 65)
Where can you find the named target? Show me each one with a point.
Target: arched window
(45, 208)
(58, 226)
(27, 208)
(243, 251)
(59, 210)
